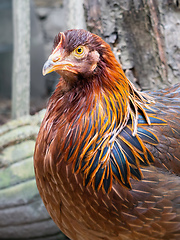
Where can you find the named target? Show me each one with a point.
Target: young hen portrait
(107, 157)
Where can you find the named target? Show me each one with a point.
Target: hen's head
(78, 56)
(89, 68)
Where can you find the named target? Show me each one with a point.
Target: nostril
(55, 58)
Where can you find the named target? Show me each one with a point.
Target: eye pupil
(79, 50)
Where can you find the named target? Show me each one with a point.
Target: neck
(116, 88)
(108, 88)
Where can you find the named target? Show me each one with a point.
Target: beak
(57, 60)
(48, 67)
(55, 63)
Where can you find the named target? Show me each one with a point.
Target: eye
(79, 51)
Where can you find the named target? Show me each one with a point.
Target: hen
(107, 157)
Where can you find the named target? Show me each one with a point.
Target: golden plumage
(107, 156)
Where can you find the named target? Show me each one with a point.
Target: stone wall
(22, 212)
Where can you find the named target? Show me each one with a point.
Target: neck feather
(108, 88)
(116, 88)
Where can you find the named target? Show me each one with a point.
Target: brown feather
(107, 159)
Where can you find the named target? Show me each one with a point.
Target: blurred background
(144, 36)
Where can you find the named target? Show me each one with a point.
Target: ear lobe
(95, 58)
(95, 55)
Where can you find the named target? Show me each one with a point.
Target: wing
(167, 151)
(109, 158)
(104, 154)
